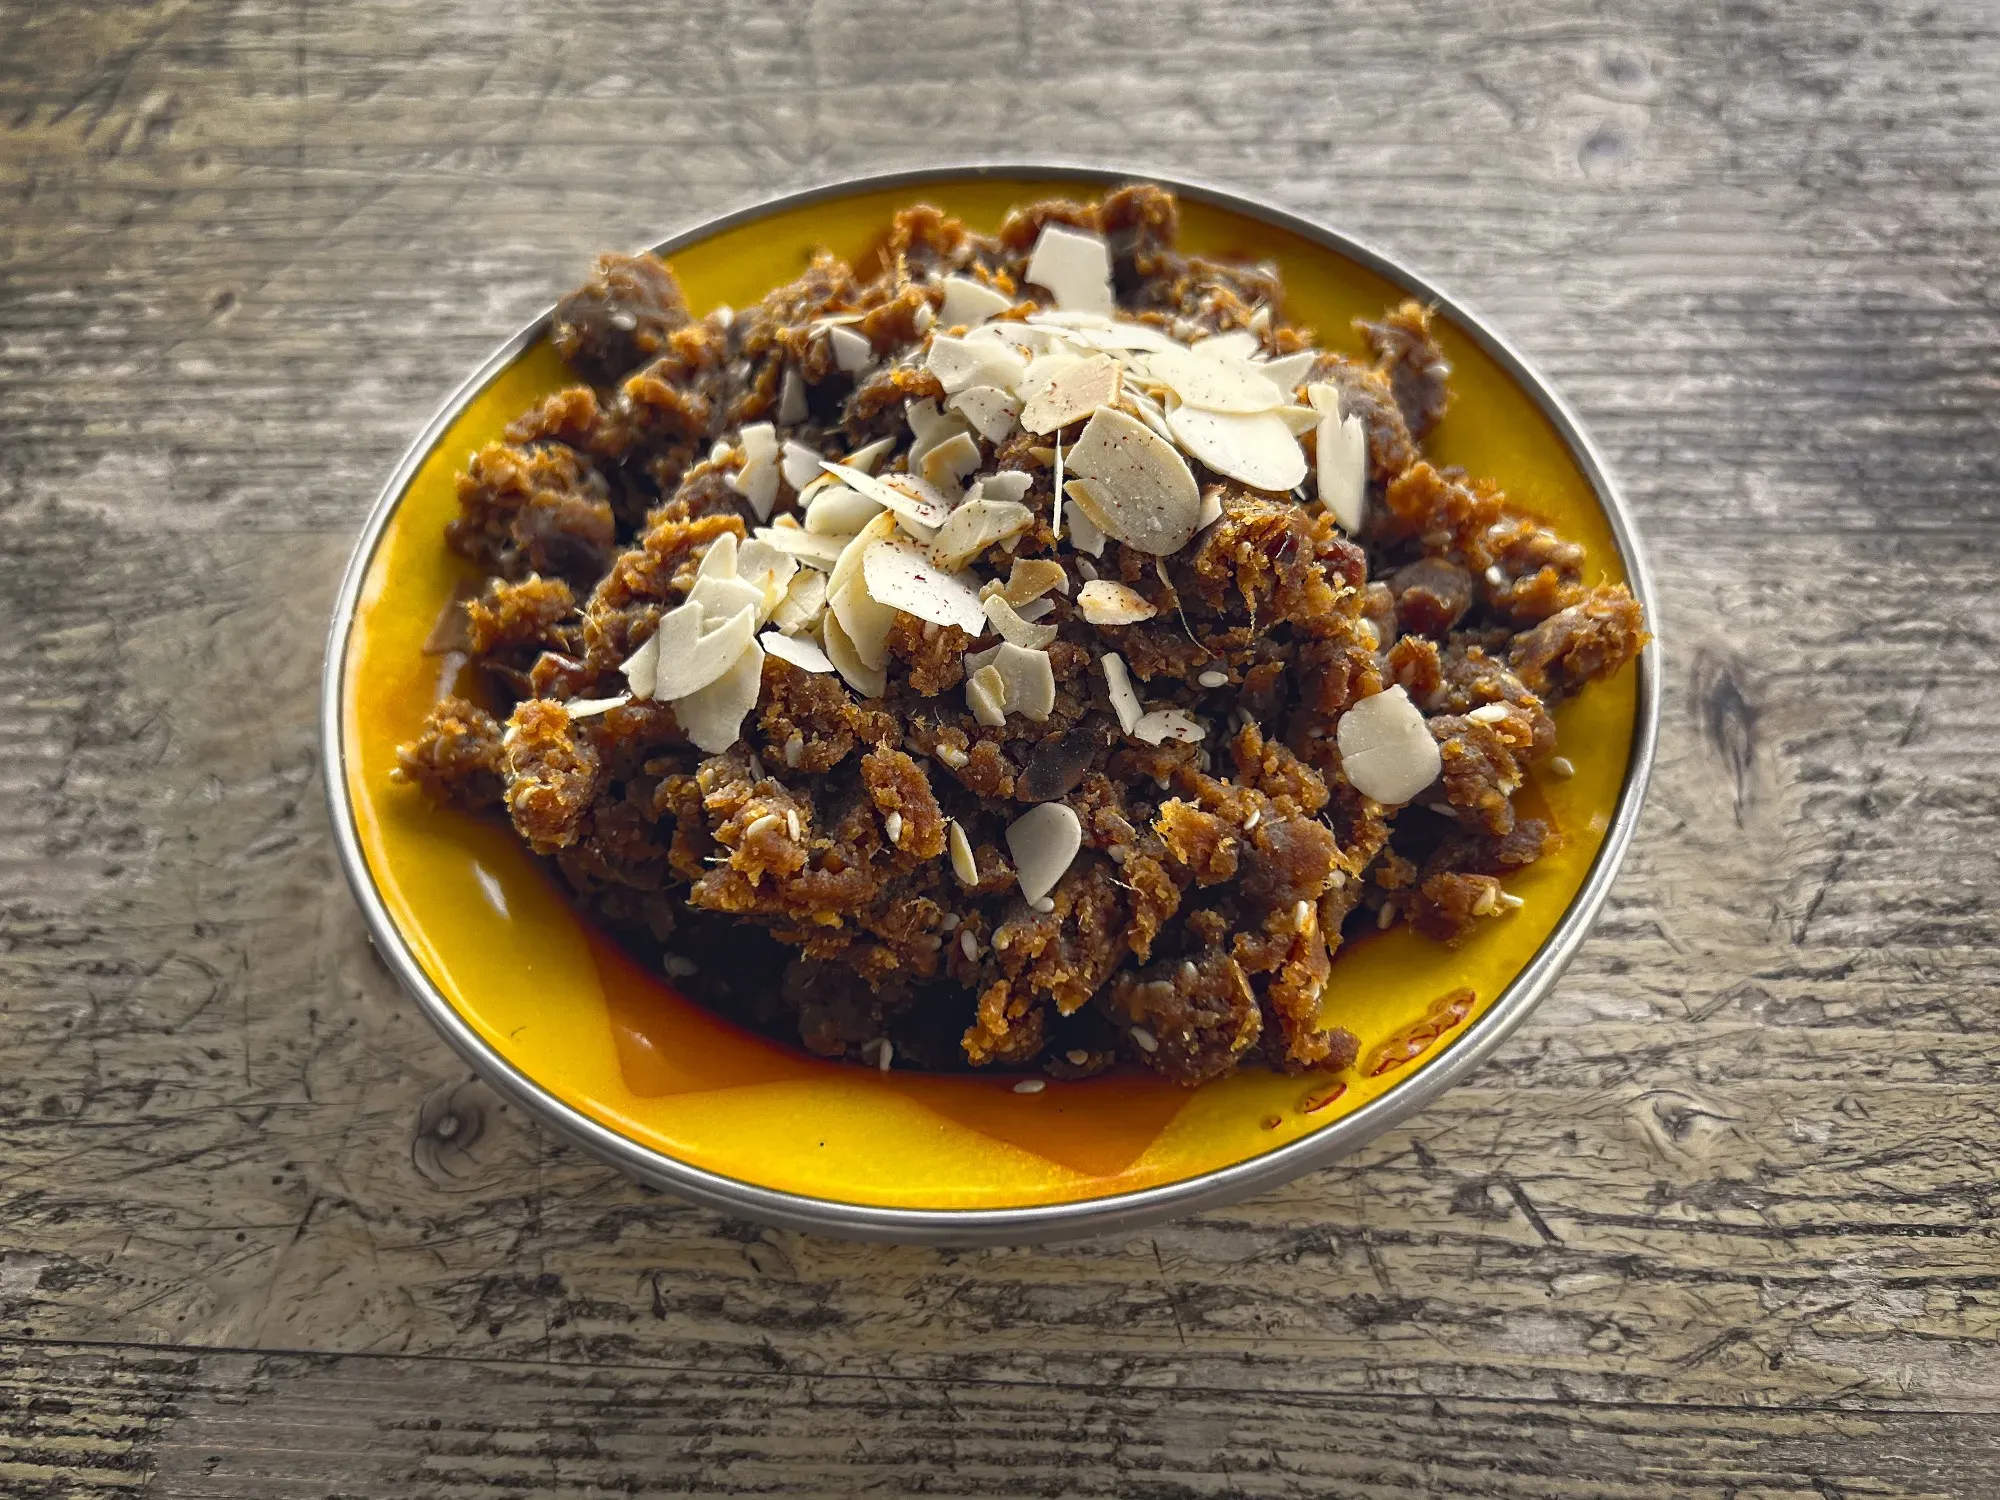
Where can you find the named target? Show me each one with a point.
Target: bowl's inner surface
(566, 1008)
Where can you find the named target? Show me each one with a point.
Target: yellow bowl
(555, 1015)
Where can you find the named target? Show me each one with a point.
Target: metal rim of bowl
(1118, 1212)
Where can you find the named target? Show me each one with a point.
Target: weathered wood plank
(1721, 1219)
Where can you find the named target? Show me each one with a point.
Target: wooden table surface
(1720, 1220)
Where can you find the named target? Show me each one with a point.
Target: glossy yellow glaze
(573, 1013)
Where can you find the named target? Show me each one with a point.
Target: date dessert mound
(1023, 650)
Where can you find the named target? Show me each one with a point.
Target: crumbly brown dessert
(1017, 650)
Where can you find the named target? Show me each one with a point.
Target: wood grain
(1719, 1221)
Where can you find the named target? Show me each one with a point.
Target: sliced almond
(1211, 507)
(1030, 680)
(1124, 697)
(713, 716)
(1071, 317)
(864, 458)
(769, 568)
(792, 397)
(718, 558)
(1286, 372)
(1150, 411)
(865, 622)
(968, 302)
(1044, 842)
(986, 696)
(1072, 394)
(903, 577)
(947, 464)
(1386, 748)
(1009, 625)
(851, 351)
(1075, 265)
(1257, 449)
(803, 601)
(642, 667)
(958, 363)
(1012, 485)
(816, 551)
(1084, 534)
(799, 464)
(720, 597)
(989, 409)
(963, 865)
(1299, 420)
(869, 682)
(1213, 384)
(976, 525)
(1122, 335)
(1164, 724)
(757, 482)
(1342, 450)
(1103, 602)
(691, 656)
(1029, 579)
(758, 440)
(1145, 494)
(1035, 609)
(1237, 345)
(904, 494)
(589, 708)
(840, 510)
(801, 651)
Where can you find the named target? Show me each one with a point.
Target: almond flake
(851, 351)
(1072, 393)
(1036, 609)
(799, 464)
(863, 459)
(1211, 508)
(1150, 411)
(1145, 494)
(757, 482)
(803, 601)
(1123, 335)
(989, 409)
(1299, 420)
(1075, 265)
(713, 716)
(904, 494)
(792, 397)
(767, 567)
(968, 302)
(1030, 681)
(1212, 384)
(1257, 449)
(1029, 579)
(986, 696)
(1342, 444)
(816, 551)
(963, 865)
(865, 622)
(691, 656)
(1124, 697)
(758, 440)
(1386, 749)
(975, 526)
(1235, 346)
(1012, 485)
(1044, 841)
(1288, 371)
(959, 364)
(903, 577)
(948, 463)
(585, 708)
(642, 667)
(801, 651)
(720, 597)
(1106, 603)
(840, 511)
(1072, 317)
(1084, 534)
(1009, 626)
(868, 681)
(1164, 724)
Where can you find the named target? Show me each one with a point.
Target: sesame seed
(1145, 1039)
(795, 749)
(758, 825)
(1030, 1086)
(1386, 918)
(1256, 816)
(1213, 679)
(1077, 1056)
(1496, 577)
(1189, 973)
(952, 756)
(679, 967)
(1511, 901)
(1489, 713)
(968, 945)
(1561, 765)
(885, 1054)
(1302, 915)
(949, 922)
(1043, 903)
(1087, 569)
(893, 826)
(792, 822)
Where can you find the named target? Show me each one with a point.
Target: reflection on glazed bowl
(608, 1054)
